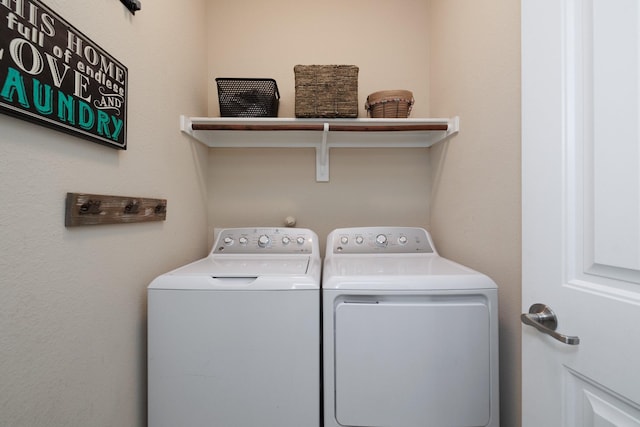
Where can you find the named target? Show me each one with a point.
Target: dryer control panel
(265, 241)
(367, 240)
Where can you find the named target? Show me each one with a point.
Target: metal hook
(92, 207)
(132, 5)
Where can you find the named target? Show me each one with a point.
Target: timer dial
(263, 241)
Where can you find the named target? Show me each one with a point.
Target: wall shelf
(321, 134)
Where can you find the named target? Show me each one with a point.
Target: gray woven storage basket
(326, 91)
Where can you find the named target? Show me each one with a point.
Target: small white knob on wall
(290, 221)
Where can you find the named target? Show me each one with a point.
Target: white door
(581, 210)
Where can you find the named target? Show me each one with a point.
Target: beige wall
(387, 41)
(72, 301)
(475, 204)
(459, 58)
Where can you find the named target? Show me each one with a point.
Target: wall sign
(53, 75)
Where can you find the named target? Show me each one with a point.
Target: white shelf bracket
(454, 128)
(185, 125)
(322, 157)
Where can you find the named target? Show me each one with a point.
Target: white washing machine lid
(229, 272)
(400, 272)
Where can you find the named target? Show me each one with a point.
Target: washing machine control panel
(363, 240)
(264, 241)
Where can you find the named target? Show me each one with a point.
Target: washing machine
(234, 338)
(410, 339)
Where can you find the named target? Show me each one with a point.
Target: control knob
(263, 241)
(381, 240)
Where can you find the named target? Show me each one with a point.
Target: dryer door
(412, 361)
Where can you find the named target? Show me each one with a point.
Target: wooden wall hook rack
(96, 209)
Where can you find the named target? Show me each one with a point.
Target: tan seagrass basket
(326, 91)
(390, 104)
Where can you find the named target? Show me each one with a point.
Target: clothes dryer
(234, 338)
(410, 339)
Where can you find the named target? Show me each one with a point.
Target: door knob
(544, 319)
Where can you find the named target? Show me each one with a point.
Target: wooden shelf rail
(320, 127)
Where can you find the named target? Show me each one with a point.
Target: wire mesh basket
(246, 97)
